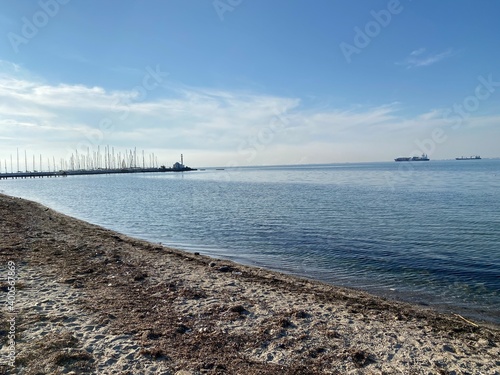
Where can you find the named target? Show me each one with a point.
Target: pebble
(449, 348)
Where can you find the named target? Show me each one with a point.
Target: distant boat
(414, 158)
(477, 157)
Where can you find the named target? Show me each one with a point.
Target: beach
(92, 301)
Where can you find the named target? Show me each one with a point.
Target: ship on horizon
(476, 157)
(413, 158)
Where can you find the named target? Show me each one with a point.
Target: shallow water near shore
(424, 232)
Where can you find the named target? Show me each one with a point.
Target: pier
(91, 172)
(91, 163)
(104, 161)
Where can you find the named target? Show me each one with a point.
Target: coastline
(90, 300)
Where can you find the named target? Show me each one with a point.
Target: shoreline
(483, 314)
(93, 300)
(423, 300)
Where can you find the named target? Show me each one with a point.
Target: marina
(96, 163)
(36, 174)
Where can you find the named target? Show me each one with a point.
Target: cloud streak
(215, 127)
(419, 58)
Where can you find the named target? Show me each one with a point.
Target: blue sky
(240, 82)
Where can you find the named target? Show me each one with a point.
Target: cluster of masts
(106, 159)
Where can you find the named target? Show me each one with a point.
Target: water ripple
(428, 235)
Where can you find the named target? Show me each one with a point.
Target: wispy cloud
(420, 58)
(213, 126)
(7, 67)
(417, 52)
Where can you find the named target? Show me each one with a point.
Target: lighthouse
(179, 166)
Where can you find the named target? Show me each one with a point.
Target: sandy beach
(88, 300)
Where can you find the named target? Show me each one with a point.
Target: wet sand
(92, 301)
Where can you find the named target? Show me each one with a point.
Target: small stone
(285, 323)
(449, 348)
(181, 328)
(238, 309)
(301, 314)
(144, 336)
(183, 372)
(140, 276)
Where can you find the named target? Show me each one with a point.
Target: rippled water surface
(426, 232)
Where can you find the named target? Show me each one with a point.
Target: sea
(427, 233)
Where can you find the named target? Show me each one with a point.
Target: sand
(92, 301)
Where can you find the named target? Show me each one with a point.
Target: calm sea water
(424, 232)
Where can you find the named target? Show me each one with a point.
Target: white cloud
(217, 127)
(417, 52)
(418, 58)
(7, 67)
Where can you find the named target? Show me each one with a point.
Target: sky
(240, 82)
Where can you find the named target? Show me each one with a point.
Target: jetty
(91, 172)
(95, 164)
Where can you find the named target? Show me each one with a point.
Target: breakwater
(65, 173)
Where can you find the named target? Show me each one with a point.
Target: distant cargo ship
(477, 157)
(414, 158)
